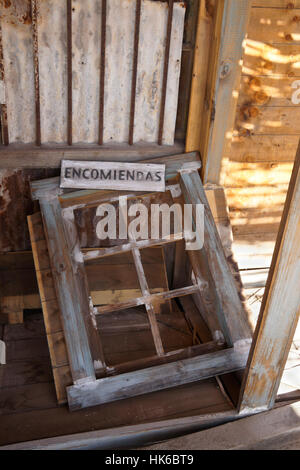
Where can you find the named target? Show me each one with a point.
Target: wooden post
(280, 309)
(216, 104)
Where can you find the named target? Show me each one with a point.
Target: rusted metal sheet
(52, 38)
(18, 69)
(15, 205)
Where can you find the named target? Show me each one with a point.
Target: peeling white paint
(84, 381)
(175, 190)
(2, 352)
(2, 92)
(218, 337)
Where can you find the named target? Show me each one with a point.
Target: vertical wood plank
(153, 30)
(86, 50)
(279, 311)
(134, 68)
(199, 77)
(118, 69)
(149, 306)
(18, 61)
(165, 72)
(174, 68)
(52, 38)
(222, 84)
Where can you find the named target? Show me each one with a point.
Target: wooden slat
(207, 297)
(150, 307)
(177, 355)
(154, 16)
(67, 292)
(53, 65)
(165, 72)
(86, 50)
(115, 250)
(150, 298)
(156, 378)
(231, 304)
(279, 311)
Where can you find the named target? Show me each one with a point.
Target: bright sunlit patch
(273, 123)
(265, 21)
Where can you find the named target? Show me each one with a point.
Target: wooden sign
(112, 175)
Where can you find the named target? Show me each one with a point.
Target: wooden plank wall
(68, 80)
(257, 167)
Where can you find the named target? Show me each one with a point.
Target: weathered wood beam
(156, 378)
(28, 156)
(222, 84)
(118, 249)
(172, 356)
(81, 362)
(279, 311)
(160, 296)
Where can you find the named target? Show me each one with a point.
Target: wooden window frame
(85, 352)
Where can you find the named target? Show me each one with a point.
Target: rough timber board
(51, 312)
(156, 378)
(274, 331)
(86, 43)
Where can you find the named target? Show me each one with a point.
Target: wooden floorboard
(28, 404)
